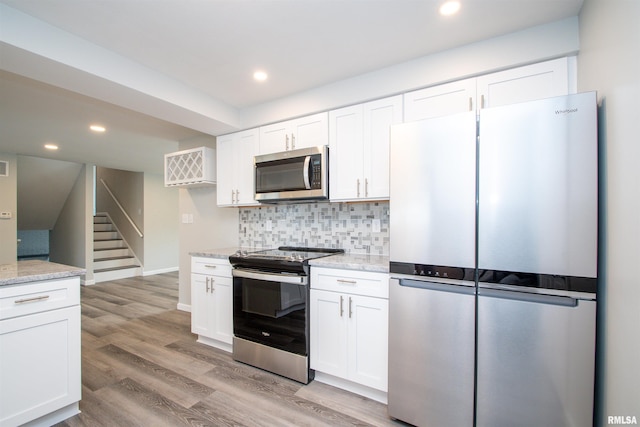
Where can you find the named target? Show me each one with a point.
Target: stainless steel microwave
(295, 175)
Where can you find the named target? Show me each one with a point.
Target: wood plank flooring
(142, 366)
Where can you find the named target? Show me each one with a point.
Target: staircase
(112, 258)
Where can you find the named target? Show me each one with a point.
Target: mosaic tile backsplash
(348, 226)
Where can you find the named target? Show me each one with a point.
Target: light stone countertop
(221, 253)
(363, 262)
(34, 271)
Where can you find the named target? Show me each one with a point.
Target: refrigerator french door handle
(529, 297)
(461, 287)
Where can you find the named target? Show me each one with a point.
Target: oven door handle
(259, 275)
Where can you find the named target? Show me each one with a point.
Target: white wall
(128, 189)
(161, 226)
(9, 203)
(71, 240)
(212, 227)
(609, 62)
(554, 40)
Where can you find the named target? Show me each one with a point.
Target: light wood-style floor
(141, 366)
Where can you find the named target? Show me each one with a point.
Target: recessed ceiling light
(51, 146)
(97, 128)
(260, 76)
(449, 8)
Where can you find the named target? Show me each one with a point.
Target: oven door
(271, 309)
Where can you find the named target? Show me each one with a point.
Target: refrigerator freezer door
(432, 188)
(538, 187)
(431, 353)
(535, 360)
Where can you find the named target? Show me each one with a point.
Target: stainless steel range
(270, 309)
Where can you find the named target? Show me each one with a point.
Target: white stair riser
(102, 227)
(100, 220)
(104, 276)
(110, 253)
(110, 263)
(108, 244)
(105, 235)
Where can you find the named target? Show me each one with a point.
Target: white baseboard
(85, 282)
(160, 271)
(184, 307)
(360, 389)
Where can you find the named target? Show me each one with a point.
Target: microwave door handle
(305, 172)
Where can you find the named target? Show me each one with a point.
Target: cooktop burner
(284, 256)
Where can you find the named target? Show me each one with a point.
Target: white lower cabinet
(349, 326)
(212, 301)
(40, 374)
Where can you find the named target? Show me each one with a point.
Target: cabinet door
(225, 148)
(246, 149)
(222, 307)
(275, 137)
(345, 153)
(368, 340)
(39, 364)
(200, 305)
(528, 83)
(310, 131)
(235, 168)
(328, 333)
(441, 100)
(378, 117)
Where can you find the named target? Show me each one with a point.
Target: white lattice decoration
(190, 167)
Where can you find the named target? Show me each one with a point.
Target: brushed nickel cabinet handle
(350, 312)
(211, 266)
(286, 143)
(341, 308)
(347, 282)
(358, 187)
(34, 299)
(293, 141)
(366, 187)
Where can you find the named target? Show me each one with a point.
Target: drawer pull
(34, 299)
(210, 266)
(348, 282)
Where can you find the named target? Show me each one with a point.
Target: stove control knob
(241, 253)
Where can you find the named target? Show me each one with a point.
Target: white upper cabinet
(308, 131)
(442, 100)
(528, 83)
(359, 149)
(536, 81)
(235, 168)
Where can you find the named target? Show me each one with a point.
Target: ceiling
(163, 71)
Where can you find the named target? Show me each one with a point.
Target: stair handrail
(115, 199)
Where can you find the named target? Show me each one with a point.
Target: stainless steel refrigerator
(493, 250)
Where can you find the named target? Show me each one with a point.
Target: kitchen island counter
(34, 271)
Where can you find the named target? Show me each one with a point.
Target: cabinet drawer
(211, 266)
(23, 299)
(350, 281)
